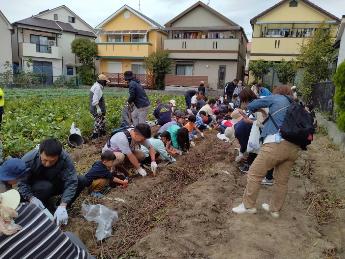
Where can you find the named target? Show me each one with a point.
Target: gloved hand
(202, 135)
(61, 215)
(141, 171)
(154, 166)
(37, 202)
(99, 111)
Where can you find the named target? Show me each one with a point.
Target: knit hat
(10, 199)
(12, 169)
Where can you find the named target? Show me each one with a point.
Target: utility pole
(139, 6)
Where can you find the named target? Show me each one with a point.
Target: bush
(286, 71)
(259, 68)
(339, 98)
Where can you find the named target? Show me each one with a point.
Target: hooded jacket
(137, 94)
(97, 171)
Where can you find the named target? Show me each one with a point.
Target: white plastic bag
(254, 139)
(103, 216)
(75, 130)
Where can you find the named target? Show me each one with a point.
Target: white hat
(10, 199)
(173, 102)
(293, 87)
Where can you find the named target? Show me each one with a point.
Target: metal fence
(118, 79)
(322, 96)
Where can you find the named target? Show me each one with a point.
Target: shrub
(339, 98)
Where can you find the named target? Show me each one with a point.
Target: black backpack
(297, 126)
(121, 129)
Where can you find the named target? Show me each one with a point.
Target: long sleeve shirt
(137, 95)
(97, 171)
(97, 98)
(62, 173)
(159, 147)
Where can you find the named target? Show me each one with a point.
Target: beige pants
(120, 157)
(280, 156)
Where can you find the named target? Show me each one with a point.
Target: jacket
(137, 95)
(62, 173)
(229, 89)
(97, 171)
(97, 98)
(277, 105)
(162, 113)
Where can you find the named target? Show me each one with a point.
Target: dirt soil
(184, 212)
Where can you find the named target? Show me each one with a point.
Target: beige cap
(10, 199)
(103, 77)
(173, 102)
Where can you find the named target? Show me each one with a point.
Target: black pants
(45, 190)
(1, 113)
(250, 160)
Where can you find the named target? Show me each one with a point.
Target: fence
(118, 79)
(322, 96)
(185, 80)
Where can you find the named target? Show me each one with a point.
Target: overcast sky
(94, 12)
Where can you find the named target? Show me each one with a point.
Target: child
(202, 121)
(166, 138)
(99, 177)
(192, 128)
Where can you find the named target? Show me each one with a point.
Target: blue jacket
(162, 113)
(264, 92)
(97, 171)
(278, 105)
(137, 94)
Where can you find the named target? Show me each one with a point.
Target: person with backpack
(162, 113)
(276, 152)
(137, 99)
(126, 143)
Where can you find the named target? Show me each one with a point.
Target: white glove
(99, 111)
(61, 216)
(202, 135)
(141, 171)
(192, 143)
(154, 166)
(37, 202)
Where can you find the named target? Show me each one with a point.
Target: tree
(86, 51)
(158, 64)
(339, 98)
(316, 55)
(286, 71)
(259, 68)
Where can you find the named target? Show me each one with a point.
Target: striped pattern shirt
(38, 238)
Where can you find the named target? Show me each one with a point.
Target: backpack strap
(128, 135)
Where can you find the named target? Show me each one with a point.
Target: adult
(275, 153)
(208, 108)
(26, 232)
(137, 98)
(201, 101)
(97, 106)
(162, 113)
(10, 172)
(178, 119)
(2, 103)
(238, 88)
(127, 143)
(51, 173)
(188, 97)
(202, 87)
(230, 88)
(172, 104)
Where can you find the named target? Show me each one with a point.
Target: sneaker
(265, 181)
(97, 195)
(266, 207)
(244, 168)
(240, 209)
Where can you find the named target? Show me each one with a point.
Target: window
(184, 70)
(138, 69)
(115, 38)
(71, 19)
(278, 32)
(56, 17)
(138, 38)
(293, 3)
(70, 71)
(43, 43)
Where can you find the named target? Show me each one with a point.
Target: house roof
(199, 3)
(6, 21)
(137, 13)
(318, 8)
(52, 25)
(65, 7)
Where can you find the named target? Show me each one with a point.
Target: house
(204, 44)
(42, 43)
(124, 39)
(279, 31)
(5, 42)
(340, 42)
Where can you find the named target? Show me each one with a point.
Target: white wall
(65, 44)
(5, 44)
(341, 57)
(56, 64)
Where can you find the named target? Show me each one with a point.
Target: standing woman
(97, 106)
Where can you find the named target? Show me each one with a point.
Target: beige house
(5, 42)
(42, 43)
(203, 42)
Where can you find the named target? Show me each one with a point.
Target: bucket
(75, 140)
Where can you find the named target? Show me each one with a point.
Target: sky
(94, 12)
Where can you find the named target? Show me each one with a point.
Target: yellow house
(125, 38)
(279, 31)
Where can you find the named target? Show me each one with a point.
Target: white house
(42, 43)
(340, 41)
(5, 41)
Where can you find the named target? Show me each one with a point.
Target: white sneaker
(266, 207)
(240, 209)
(267, 182)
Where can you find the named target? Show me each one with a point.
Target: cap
(103, 77)
(173, 102)
(10, 199)
(128, 75)
(12, 169)
(179, 114)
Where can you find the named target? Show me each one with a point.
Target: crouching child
(100, 178)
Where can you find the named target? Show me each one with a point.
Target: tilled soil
(184, 212)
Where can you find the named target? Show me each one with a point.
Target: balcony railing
(27, 49)
(202, 44)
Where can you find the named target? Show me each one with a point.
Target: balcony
(202, 48)
(32, 50)
(124, 50)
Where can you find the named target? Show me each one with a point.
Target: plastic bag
(74, 130)
(103, 216)
(254, 139)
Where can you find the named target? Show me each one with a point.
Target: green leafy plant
(286, 71)
(339, 98)
(158, 64)
(259, 68)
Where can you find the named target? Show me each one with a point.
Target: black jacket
(97, 171)
(137, 94)
(229, 89)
